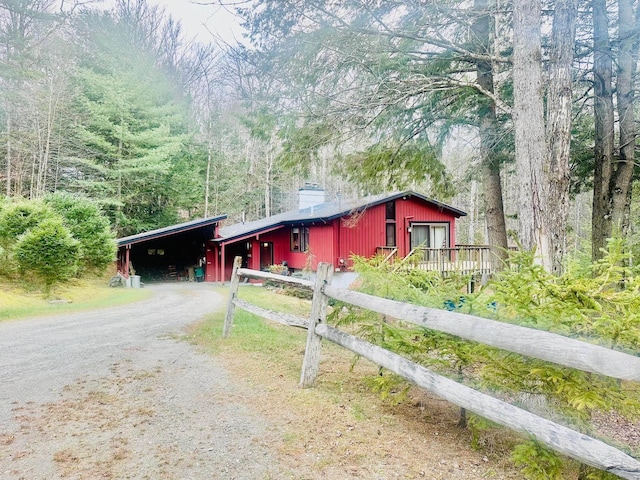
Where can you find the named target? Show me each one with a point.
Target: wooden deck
(463, 259)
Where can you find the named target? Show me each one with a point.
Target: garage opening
(176, 253)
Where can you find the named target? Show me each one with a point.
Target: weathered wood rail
(534, 343)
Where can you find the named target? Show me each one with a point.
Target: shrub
(600, 304)
(15, 220)
(47, 252)
(89, 226)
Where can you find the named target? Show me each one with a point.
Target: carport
(178, 252)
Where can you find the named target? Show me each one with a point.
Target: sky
(203, 20)
(206, 22)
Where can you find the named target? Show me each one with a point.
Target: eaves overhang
(167, 231)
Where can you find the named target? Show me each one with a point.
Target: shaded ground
(116, 394)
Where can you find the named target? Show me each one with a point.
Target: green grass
(254, 335)
(78, 295)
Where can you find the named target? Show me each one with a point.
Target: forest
(116, 120)
(520, 113)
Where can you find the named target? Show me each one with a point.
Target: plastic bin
(135, 281)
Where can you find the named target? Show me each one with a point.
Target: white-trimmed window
(429, 235)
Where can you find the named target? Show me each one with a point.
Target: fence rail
(525, 341)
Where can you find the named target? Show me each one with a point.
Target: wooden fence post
(233, 293)
(312, 352)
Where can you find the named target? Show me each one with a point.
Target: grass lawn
(253, 335)
(18, 301)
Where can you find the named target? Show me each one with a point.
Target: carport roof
(324, 212)
(171, 230)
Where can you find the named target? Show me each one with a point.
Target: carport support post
(312, 352)
(127, 262)
(233, 293)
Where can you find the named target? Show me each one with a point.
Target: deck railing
(463, 259)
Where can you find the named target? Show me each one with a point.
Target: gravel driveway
(112, 394)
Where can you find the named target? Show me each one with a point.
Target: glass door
(266, 255)
(438, 236)
(428, 236)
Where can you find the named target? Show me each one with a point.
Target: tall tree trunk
(119, 167)
(613, 177)
(542, 153)
(604, 128)
(488, 130)
(528, 113)
(558, 131)
(267, 187)
(620, 187)
(44, 164)
(9, 154)
(207, 179)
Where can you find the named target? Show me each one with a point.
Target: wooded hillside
(125, 106)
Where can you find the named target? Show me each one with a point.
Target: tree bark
(542, 150)
(622, 181)
(9, 156)
(207, 180)
(558, 132)
(488, 130)
(604, 128)
(528, 113)
(613, 177)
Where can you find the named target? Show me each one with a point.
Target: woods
(520, 83)
(516, 113)
(115, 120)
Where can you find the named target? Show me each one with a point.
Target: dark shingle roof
(173, 229)
(324, 212)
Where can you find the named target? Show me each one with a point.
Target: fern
(537, 461)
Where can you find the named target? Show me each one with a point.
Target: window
(299, 239)
(430, 238)
(429, 235)
(390, 210)
(391, 235)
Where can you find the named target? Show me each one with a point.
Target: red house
(332, 232)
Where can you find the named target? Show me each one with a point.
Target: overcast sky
(199, 20)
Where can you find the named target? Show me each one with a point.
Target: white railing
(462, 259)
(466, 260)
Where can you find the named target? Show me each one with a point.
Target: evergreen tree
(47, 253)
(87, 225)
(132, 128)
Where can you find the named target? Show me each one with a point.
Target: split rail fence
(525, 341)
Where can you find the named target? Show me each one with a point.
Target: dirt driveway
(113, 394)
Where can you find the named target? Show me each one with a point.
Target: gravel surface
(113, 394)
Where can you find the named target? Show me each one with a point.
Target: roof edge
(164, 231)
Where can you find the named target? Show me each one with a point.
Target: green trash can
(199, 274)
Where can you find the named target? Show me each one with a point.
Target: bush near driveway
(48, 252)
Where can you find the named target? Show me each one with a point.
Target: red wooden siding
(322, 245)
(369, 232)
(362, 233)
(358, 234)
(411, 211)
(281, 243)
(320, 249)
